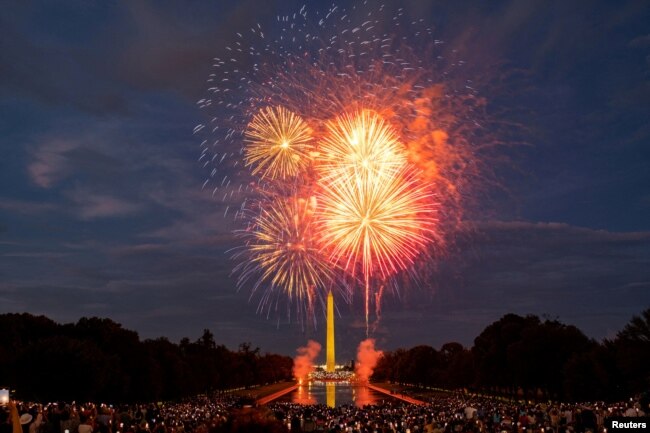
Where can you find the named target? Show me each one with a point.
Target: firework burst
(360, 144)
(282, 258)
(278, 144)
(378, 225)
(370, 128)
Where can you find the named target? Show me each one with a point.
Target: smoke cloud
(367, 358)
(303, 363)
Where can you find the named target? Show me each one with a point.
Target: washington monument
(330, 363)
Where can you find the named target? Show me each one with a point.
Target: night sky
(102, 211)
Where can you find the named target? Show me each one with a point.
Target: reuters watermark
(628, 424)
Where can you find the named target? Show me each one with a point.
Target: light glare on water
(334, 394)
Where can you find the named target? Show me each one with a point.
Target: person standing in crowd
(12, 423)
(630, 411)
(37, 420)
(85, 426)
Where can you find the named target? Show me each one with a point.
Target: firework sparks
(381, 224)
(376, 215)
(360, 144)
(281, 255)
(278, 143)
(370, 131)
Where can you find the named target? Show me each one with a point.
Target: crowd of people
(189, 416)
(447, 413)
(456, 414)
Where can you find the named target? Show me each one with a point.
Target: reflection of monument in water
(330, 394)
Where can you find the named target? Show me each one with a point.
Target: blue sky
(102, 211)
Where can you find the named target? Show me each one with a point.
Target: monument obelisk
(330, 364)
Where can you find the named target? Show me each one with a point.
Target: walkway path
(275, 395)
(399, 396)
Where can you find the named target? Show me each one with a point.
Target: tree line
(97, 359)
(534, 358)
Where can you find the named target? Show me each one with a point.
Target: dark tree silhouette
(526, 356)
(638, 330)
(457, 366)
(98, 359)
(493, 367)
(632, 353)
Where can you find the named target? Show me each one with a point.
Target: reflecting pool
(334, 394)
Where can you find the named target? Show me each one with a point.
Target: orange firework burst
(360, 144)
(282, 256)
(374, 213)
(381, 224)
(374, 209)
(278, 143)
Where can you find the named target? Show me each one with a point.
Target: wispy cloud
(90, 205)
(49, 162)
